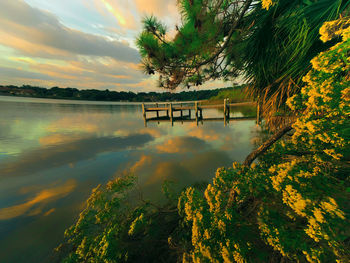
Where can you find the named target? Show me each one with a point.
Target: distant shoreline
(72, 94)
(12, 98)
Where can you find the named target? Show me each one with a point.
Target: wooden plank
(159, 109)
(178, 119)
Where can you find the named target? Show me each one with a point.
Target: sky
(81, 44)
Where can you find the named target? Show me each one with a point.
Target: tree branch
(236, 23)
(264, 147)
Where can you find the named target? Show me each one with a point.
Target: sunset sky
(78, 43)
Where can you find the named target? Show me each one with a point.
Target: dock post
(225, 108)
(143, 109)
(196, 111)
(228, 110)
(181, 110)
(157, 110)
(201, 115)
(171, 114)
(144, 114)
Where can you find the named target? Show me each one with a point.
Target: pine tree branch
(232, 30)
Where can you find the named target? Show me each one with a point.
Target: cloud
(160, 8)
(33, 25)
(120, 10)
(82, 72)
(55, 139)
(93, 50)
(204, 134)
(23, 74)
(145, 160)
(30, 207)
(69, 152)
(182, 145)
(171, 171)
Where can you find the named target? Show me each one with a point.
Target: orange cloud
(74, 124)
(41, 198)
(163, 171)
(154, 132)
(147, 84)
(181, 145)
(30, 48)
(162, 8)
(144, 160)
(55, 139)
(206, 135)
(49, 212)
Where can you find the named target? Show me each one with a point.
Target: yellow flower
(266, 4)
(318, 215)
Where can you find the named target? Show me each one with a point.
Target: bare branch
(266, 145)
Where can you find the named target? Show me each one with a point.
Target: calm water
(53, 153)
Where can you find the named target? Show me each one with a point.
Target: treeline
(107, 95)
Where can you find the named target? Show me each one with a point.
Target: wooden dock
(186, 108)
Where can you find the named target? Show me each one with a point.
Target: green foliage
(281, 44)
(271, 46)
(237, 94)
(293, 205)
(112, 228)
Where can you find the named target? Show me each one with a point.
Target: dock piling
(181, 112)
(225, 109)
(144, 114)
(196, 111)
(228, 110)
(171, 114)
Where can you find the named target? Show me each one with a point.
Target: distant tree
(106, 95)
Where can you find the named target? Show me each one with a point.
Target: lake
(54, 152)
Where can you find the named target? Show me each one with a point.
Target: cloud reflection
(68, 153)
(182, 145)
(43, 197)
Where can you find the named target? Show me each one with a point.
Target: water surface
(54, 152)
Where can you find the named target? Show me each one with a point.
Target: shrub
(294, 204)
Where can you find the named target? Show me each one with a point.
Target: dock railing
(197, 107)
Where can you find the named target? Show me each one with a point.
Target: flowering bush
(112, 228)
(294, 204)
